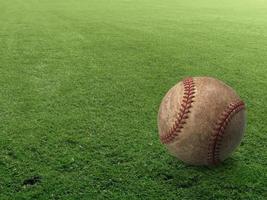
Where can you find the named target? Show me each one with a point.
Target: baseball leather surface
(201, 120)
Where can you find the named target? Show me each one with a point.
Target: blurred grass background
(80, 86)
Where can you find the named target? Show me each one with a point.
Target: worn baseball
(201, 120)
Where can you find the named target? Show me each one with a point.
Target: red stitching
(215, 141)
(188, 99)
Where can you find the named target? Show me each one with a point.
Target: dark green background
(80, 86)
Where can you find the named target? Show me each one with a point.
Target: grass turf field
(80, 86)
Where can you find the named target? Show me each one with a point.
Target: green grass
(80, 86)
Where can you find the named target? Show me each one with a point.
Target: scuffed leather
(212, 97)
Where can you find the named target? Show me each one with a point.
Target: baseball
(201, 120)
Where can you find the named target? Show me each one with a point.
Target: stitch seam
(216, 138)
(183, 114)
